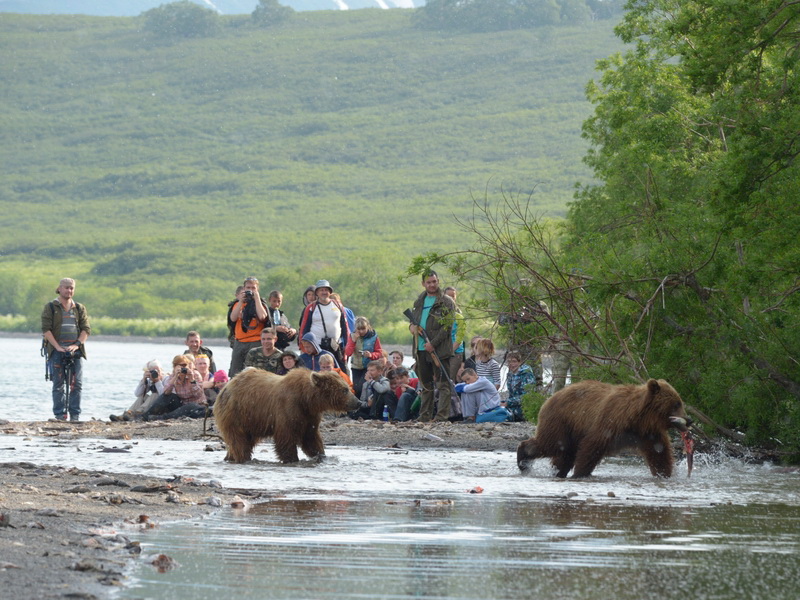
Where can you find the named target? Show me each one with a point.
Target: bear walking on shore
(257, 404)
(586, 421)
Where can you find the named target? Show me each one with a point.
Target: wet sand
(70, 533)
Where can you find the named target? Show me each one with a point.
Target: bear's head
(667, 405)
(333, 391)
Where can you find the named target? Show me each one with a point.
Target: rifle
(410, 316)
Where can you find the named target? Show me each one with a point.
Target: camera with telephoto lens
(248, 293)
(184, 370)
(153, 374)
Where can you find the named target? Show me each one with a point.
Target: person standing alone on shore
(65, 326)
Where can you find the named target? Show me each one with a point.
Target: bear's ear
(653, 387)
(316, 379)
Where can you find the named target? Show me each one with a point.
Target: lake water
(391, 523)
(110, 375)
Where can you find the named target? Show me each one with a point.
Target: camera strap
(321, 318)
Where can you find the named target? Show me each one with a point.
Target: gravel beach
(69, 533)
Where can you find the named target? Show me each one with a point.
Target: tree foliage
(681, 261)
(183, 19)
(271, 12)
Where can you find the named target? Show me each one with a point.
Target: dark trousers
(170, 406)
(427, 373)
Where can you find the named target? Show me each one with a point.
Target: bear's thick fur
(586, 421)
(257, 404)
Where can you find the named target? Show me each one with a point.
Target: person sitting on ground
(201, 365)
(311, 352)
(520, 378)
(326, 363)
(220, 378)
(183, 393)
(363, 346)
(376, 393)
(396, 359)
(279, 322)
(382, 391)
(479, 399)
(195, 348)
(405, 388)
(150, 387)
(267, 357)
(485, 364)
(289, 361)
(470, 362)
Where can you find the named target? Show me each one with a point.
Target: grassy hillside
(337, 145)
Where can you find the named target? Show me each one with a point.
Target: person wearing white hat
(327, 320)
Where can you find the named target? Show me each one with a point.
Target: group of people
(446, 386)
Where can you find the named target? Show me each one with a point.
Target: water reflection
(479, 548)
(377, 524)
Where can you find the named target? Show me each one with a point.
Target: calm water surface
(383, 523)
(110, 375)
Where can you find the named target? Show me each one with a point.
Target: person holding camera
(182, 395)
(65, 327)
(250, 315)
(326, 319)
(150, 387)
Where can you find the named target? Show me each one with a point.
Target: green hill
(338, 145)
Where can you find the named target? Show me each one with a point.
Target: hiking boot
(128, 416)
(115, 418)
(73, 418)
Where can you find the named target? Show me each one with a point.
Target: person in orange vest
(250, 315)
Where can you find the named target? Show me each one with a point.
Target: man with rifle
(65, 326)
(432, 320)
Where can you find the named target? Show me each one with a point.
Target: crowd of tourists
(443, 383)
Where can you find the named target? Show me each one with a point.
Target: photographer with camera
(65, 326)
(327, 320)
(182, 396)
(150, 387)
(250, 315)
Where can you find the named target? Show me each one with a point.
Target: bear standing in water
(586, 421)
(257, 404)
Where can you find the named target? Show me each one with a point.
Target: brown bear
(586, 421)
(257, 404)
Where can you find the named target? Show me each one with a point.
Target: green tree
(690, 236)
(681, 261)
(182, 19)
(271, 12)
